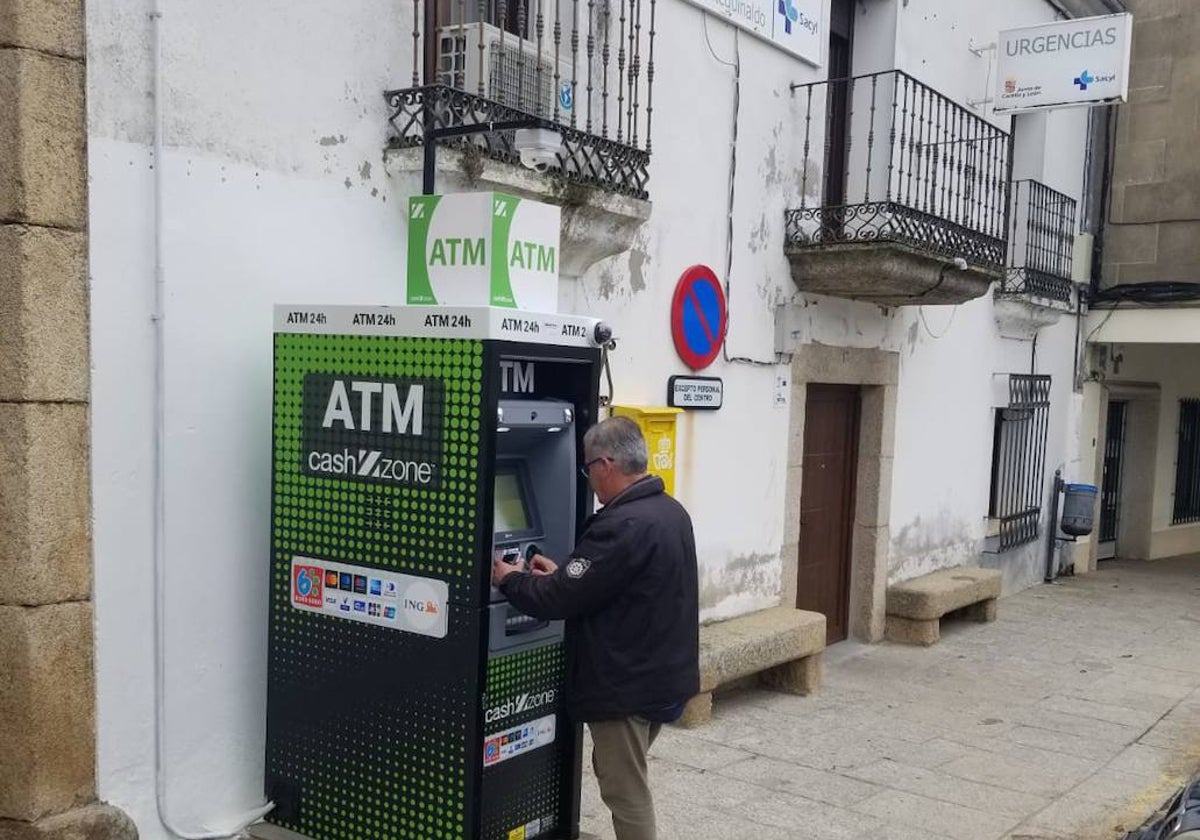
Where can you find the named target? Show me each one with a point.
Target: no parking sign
(698, 317)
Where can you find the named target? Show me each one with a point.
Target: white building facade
(900, 369)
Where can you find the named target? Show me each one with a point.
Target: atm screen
(511, 511)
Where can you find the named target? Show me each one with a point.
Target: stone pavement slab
(1071, 717)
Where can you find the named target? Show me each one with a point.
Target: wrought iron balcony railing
(902, 164)
(1041, 242)
(584, 68)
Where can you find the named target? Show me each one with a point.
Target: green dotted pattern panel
(372, 750)
(371, 731)
(533, 671)
(414, 530)
(527, 788)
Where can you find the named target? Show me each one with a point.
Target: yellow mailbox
(658, 427)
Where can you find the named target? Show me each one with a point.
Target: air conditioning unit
(510, 68)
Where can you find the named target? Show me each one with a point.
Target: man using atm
(630, 597)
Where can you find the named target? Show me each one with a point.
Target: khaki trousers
(619, 759)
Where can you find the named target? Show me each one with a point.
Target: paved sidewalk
(1072, 716)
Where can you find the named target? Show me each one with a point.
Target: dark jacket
(629, 594)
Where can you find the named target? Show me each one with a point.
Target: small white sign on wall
(783, 388)
(701, 392)
(794, 26)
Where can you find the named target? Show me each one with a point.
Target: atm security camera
(603, 334)
(539, 148)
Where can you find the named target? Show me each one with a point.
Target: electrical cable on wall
(1149, 293)
(1099, 326)
(736, 66)
(1145, 295)
(949, 324)
(1076, 378)
(960, 264)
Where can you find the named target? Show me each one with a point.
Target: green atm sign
(483, 249)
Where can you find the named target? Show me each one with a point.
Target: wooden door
(827, 504)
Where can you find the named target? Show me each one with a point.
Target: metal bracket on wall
(978, 50)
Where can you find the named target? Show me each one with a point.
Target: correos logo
(522, 703)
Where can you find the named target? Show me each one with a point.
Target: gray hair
(620, 439)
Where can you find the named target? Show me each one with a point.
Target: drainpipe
(159, 480)
(1052, 528)
(1102, 212)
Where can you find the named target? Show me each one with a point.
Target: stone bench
(782, 646)
(915, 607)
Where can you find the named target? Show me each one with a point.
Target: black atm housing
(361, 728)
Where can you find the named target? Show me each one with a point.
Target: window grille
(1187, 464)
(1019, 460)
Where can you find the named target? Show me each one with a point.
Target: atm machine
(406, 698)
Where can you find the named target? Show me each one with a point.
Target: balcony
(910, 205)
(582, 68)
(1041, 243)
(1036, 288)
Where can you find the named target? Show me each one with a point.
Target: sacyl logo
(522, 703)
(790, 15)
(794, 18)
(1084, 79)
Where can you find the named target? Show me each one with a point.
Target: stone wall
(1154, 220)
(47, 695)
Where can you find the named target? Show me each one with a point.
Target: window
(513, 16)
(1187, 464)
(1019, 460)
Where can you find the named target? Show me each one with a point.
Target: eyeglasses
(585, 470)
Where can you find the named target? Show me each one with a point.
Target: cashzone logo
(385, 431)
(525, 702)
